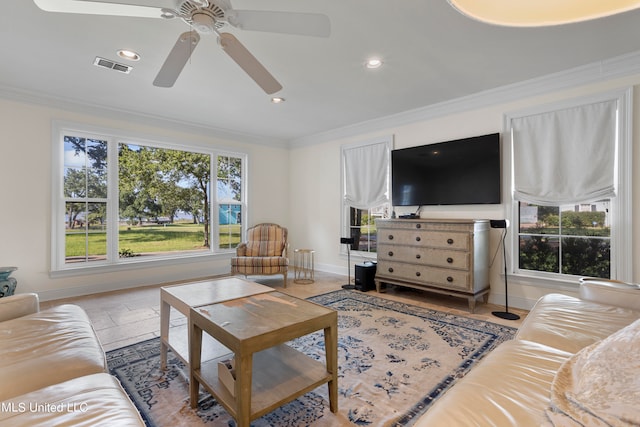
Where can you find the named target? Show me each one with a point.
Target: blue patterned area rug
(394, 360)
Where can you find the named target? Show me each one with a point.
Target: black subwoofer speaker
(365, 275)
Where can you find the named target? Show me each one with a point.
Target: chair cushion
(259, 265)
(46, 348)
(266, 240)
(92, 400)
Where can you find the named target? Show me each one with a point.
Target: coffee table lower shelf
(280, 374)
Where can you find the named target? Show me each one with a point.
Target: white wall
(299, 188)
(25, 199)
(315, 191)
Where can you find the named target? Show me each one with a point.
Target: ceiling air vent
(106, 63)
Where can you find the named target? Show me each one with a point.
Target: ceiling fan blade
(177, 59)
(304, 24)
(98, 8)
(236, 50)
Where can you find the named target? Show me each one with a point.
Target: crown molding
(616, 67)
(31, 97)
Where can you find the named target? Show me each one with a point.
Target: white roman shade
(566, 156)
(366, 175)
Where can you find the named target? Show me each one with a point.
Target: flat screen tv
(460, 172)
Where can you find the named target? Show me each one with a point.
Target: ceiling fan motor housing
(205, 20)
(203, 23)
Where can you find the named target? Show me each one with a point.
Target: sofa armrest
(18, 305)
(611, 292)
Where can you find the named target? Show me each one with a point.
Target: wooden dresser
(445, 256)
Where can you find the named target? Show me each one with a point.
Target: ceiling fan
(206, 17)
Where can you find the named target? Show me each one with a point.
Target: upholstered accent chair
(264, 252)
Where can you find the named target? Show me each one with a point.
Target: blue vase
(7, 284)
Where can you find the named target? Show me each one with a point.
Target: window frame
(115, 137)
(621, 205)
(216, 201)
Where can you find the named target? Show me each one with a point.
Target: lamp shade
(535, 13)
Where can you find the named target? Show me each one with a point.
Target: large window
(119, 200)
(571, 188)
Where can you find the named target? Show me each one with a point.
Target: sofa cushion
(93, 400)
(46, 348)
(599, 385)
(509, 387)
(570, 324)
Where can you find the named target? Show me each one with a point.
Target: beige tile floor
(126, 317)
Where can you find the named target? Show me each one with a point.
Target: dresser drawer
(426, 256)
(418, 274)
(435, 239)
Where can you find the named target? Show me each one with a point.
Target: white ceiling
(431, 54)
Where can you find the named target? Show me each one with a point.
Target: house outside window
(569, 154)
(120, 200)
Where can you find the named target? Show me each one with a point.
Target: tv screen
(461, 172)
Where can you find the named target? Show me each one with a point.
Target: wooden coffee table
(268, 372)
(182, 297)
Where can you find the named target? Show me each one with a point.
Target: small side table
(303, 265)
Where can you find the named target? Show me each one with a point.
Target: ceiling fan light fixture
(129, 54)
(277, 100)
(538, 13)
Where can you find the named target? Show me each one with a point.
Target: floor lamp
(504, 224)
(348, 241)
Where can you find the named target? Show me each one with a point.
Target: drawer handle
(418, 256)
(390, 236)
(449, 279)
(450, 241)
(418, 225)
(450, 260)
(390, 270)
(417, 273)
(390, 253)
(418, 239)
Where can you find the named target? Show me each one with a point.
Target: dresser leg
(472, 304)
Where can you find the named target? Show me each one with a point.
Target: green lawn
(151, 239)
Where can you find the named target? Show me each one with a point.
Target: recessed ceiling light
(373, 63)
(277, 100)
(128, 54)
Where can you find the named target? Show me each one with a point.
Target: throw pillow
(600, 385)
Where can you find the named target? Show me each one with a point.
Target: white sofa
(53, 370)
(573, 362)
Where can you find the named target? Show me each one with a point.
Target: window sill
(137, 264)
(567, 283)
